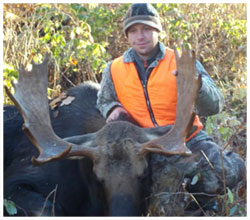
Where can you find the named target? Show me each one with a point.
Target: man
(146, 53)
(138, 86)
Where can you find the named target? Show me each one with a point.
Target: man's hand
(175, 72)
(116, 112)
(119, 113)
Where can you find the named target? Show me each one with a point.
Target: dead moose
(119, 149)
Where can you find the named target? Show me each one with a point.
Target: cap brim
(149, 23)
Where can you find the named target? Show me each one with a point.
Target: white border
(104, 1)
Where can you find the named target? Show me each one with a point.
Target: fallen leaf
(195, 180)
(74, 61)
(67, 101)
(53, 104)
(230, 195)
(55, 114)
(242, 191)
(10, 207)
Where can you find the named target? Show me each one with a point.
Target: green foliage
(10, 74)
(229, 204)
(62, 32)
(10, 207)
(222, 126)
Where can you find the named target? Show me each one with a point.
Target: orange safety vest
(161, 88)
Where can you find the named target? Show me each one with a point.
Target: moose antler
(187, 89)
(31, 100)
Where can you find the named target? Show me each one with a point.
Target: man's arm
(106, 97)
(107, 101)
(210, 100)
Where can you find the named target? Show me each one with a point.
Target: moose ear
(154, 133)
(83, 145)
(87, 140)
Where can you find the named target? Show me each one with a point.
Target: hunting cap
(142, 13)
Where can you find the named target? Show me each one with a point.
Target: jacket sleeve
(210, 100)
(106, 97)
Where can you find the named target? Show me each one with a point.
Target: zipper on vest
(148, 103)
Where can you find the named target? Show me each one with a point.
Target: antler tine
(31, 100)
(187, 89)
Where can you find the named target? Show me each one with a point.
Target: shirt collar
(128, 56)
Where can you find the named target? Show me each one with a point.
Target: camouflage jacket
(209, 101)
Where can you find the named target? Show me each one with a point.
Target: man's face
(143, 39)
